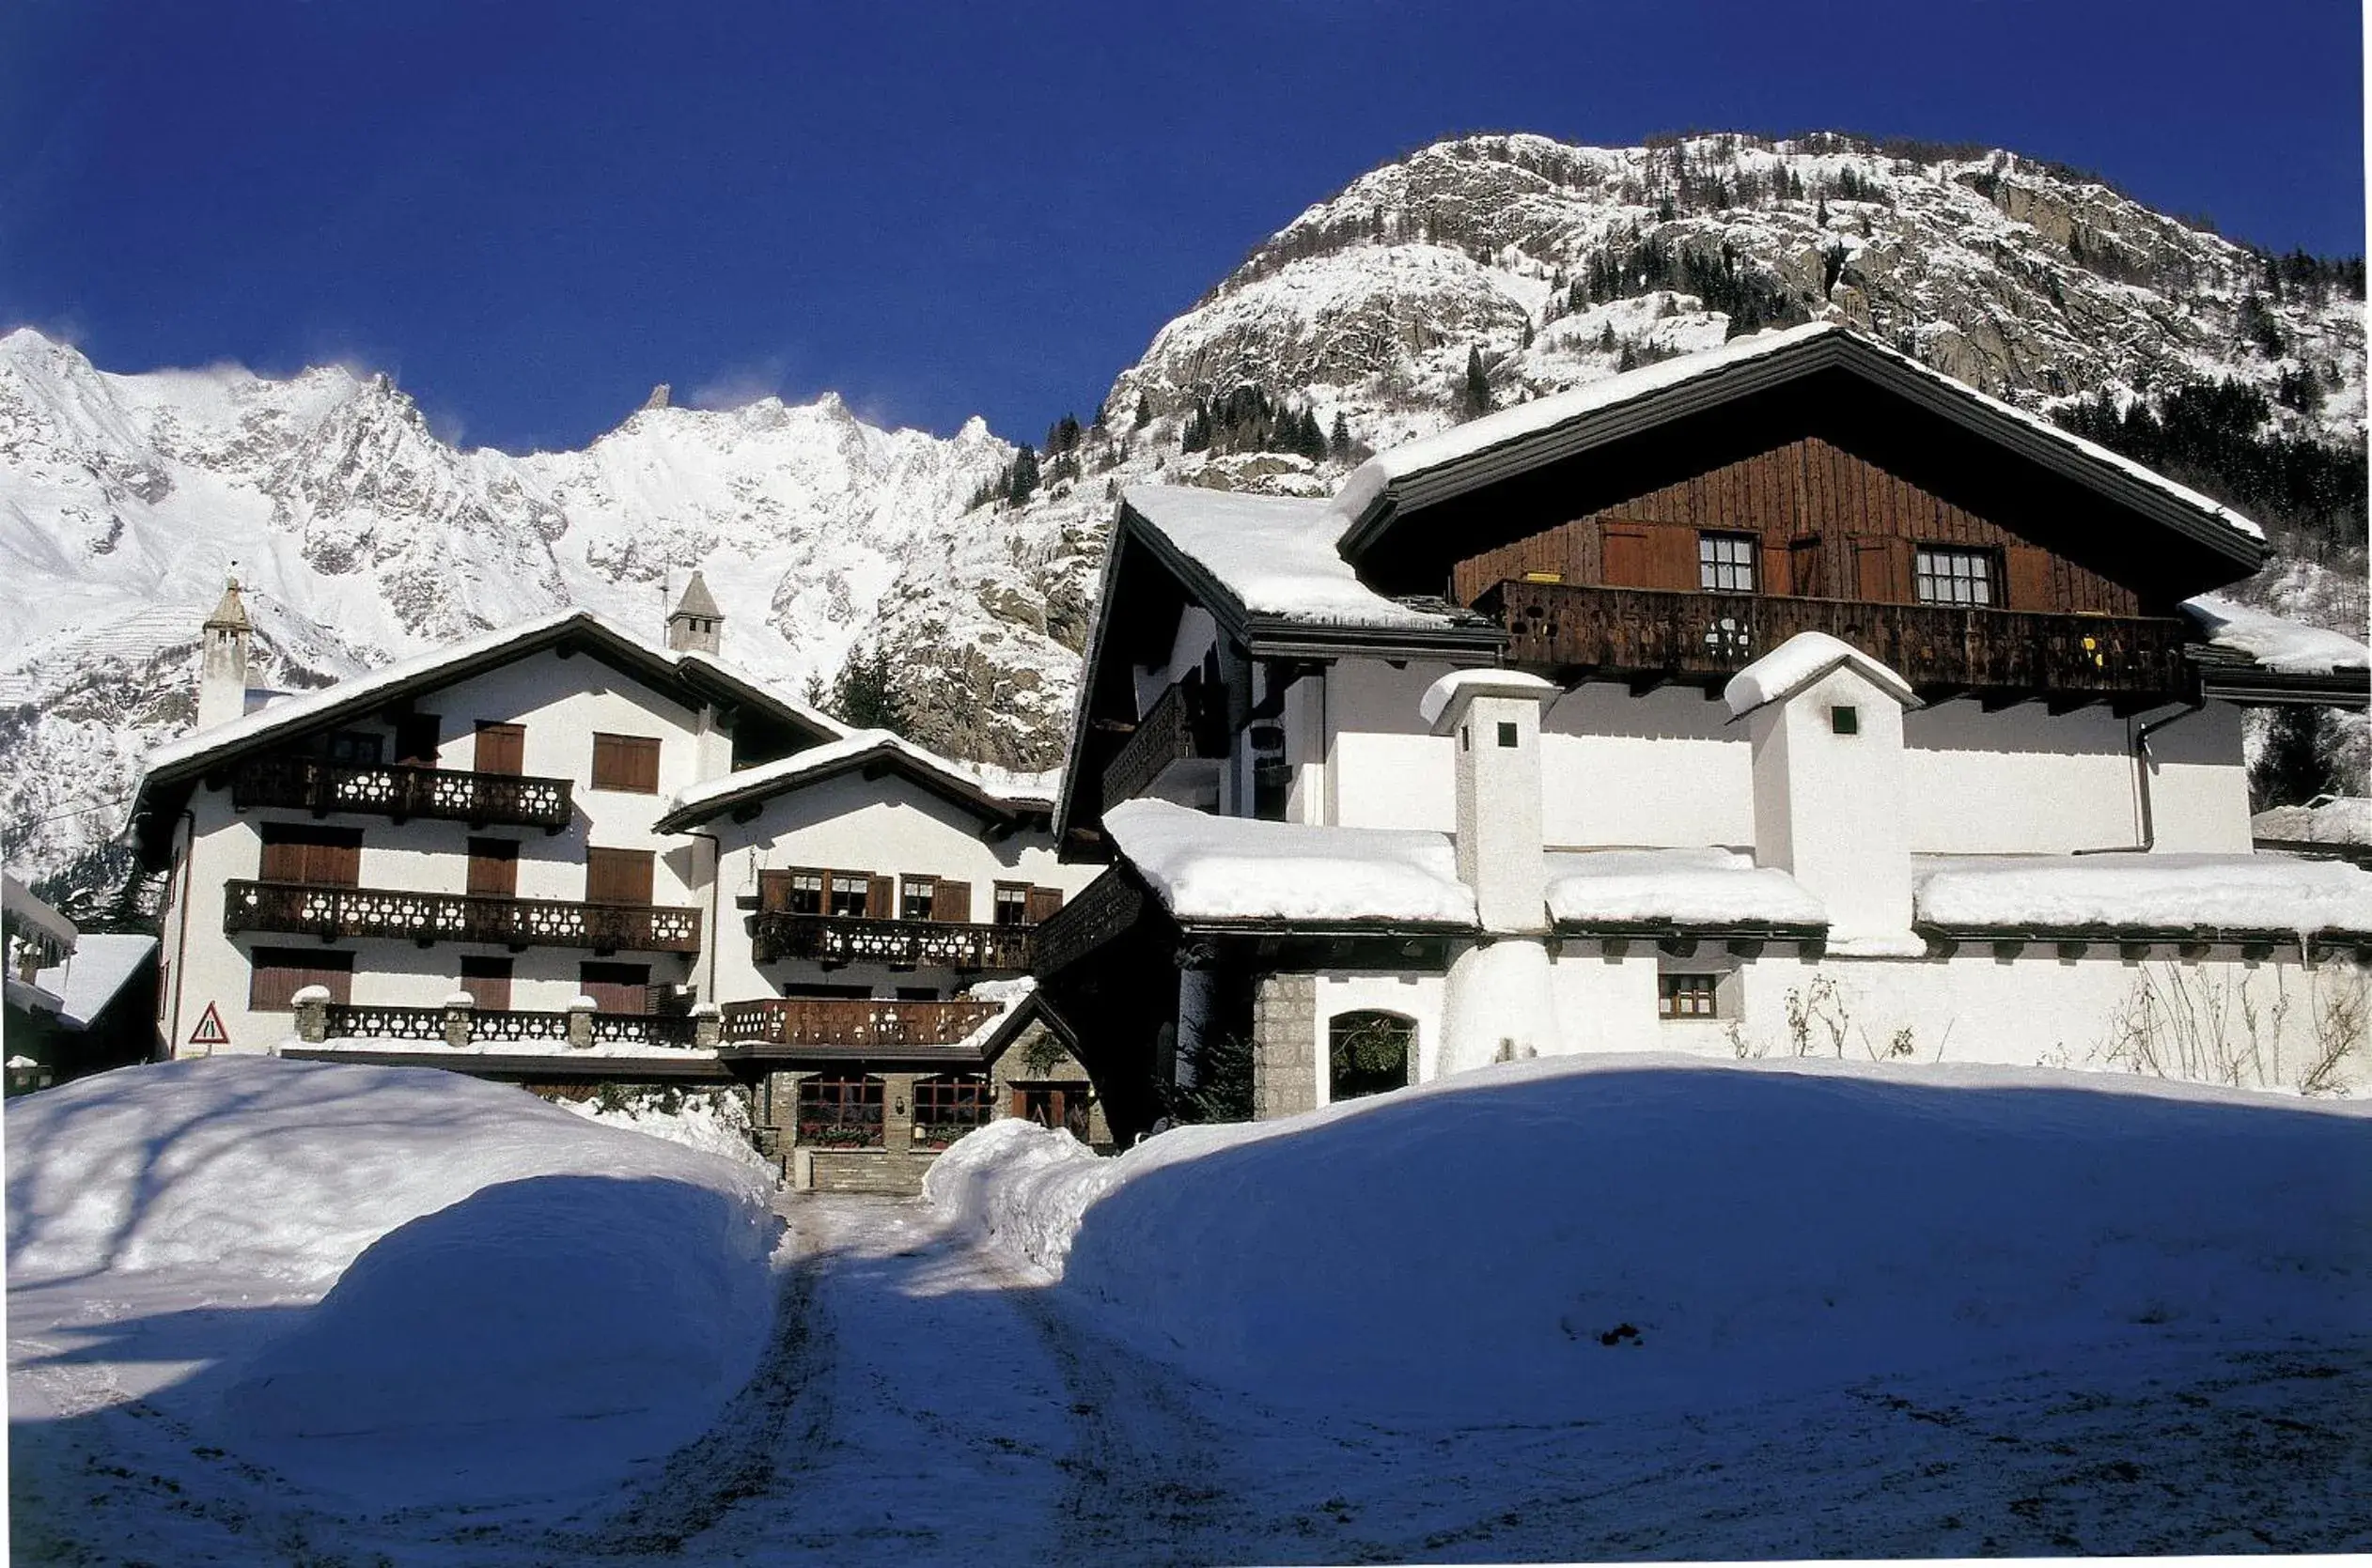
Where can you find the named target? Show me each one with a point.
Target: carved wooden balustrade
(362, 1021)
(852, 1023)
(1647, 634)
(331, 913)
(1187, 720)
(400, 791)
(834, 940)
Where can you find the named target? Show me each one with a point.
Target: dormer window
(1726, 563)
(1941, 574)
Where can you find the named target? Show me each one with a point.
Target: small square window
(1944, 575)
(1685, 996)
(1845, 720)
(1506, 734)
(1726, 563)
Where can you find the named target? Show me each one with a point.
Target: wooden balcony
(335, 913)
(835, 940)
(850, 1024)
(1649, 637)
(361, 1021)
(1187, 720)
(480, 800)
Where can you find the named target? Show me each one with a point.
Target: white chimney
(1830, 803)
(695, 624)
(222, 672)
(1498, 1004)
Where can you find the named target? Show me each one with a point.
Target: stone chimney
(1830, 803)
(222, 672)
(695, 624)
(1498, 1004)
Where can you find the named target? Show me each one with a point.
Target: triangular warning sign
(210, 1030)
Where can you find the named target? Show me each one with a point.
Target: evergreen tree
(1478, 384)
(1023, 483)
(1630, 359)
(2293, 768)
(1339, 445)
(1143, 411)
(1606, 344)
(865, 694)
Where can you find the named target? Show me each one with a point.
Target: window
(915, 897)
(617, 876)
(280, 972)
(950, 1105)
(852, 893)
(1942, 575)
(1685, 996)
(840, 1112)
(501, 748)
(626, 762)
(803, 893)
(616, 987)
(1507, 734)
(1272, 778)
(1012, 903)
(488, 982)
(416, 739)
(493, 867)
(1843, 719)
(317, 857)
(1726, 563)
(358, 746)
(1368, 1052)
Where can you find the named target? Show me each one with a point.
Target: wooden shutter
(488, 982)
(1804, 567)
(616, 987)
(625, 762)
(1882, 570)
(2029, 583)
(880, 895)
(773, 891)
(617, 876)
(502, 748)
(1674, 558)
(494, 867)
(416, 739)
(319, 856)
(951, 901)
(1626, 557)
(1044, 901)
(278, 973)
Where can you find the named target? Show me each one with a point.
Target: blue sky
(529, 213)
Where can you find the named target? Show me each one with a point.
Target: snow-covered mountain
(124, 500)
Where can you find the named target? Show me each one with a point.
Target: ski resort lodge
(1786, 699)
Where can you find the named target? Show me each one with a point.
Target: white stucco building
(1866, 714)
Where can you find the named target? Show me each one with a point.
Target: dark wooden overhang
(1148, 583)
(2235, 677)
(1825, 381)
(552, 1067)
(2133, 940)
(165, 791)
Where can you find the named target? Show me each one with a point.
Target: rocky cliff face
(1533, 265)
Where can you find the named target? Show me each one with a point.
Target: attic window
(1845, 720)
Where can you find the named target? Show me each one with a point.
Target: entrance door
(1054, 1104)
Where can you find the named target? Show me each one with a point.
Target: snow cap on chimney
(695, 624)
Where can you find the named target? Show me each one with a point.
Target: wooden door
(616, 987)
(494, 867)
(502, 748)
(488, 982)
(617, 876)
(318, 857)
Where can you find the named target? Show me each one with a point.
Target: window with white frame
(1941, 574)
(1726, 563)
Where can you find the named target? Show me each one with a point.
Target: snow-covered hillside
(123, 499)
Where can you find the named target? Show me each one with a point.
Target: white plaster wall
(1829, 806)
(888, 827)
(1414, 996)
(1663, 770)
(561, 702)
(1385, 767)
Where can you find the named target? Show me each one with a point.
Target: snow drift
(397, 1283)
(1573, 1238)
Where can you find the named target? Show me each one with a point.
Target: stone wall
(1284, 1046)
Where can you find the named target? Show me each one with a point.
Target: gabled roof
(996, 795)
(172, 768)
(1514, 440)
(1798, 661)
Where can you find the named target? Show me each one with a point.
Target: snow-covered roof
(23, 904)
(2272, 894)
(292, 715)
(1233, 868)
(1273, 555)
(103, 964)
(2276, 642)
(993, 787)
(1798, 661)
(1451, 692)
(2340, 820)
(1678, 888)
(1366, 485)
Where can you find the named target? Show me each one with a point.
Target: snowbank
(1677, 886)
(2344, 820)
(713, 1120)
(2269, 893)
(399, 1284)
(1208, 867)
(1570, 1238)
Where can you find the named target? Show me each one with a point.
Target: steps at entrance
(873, 1171)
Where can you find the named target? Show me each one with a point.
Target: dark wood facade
(1827, 524)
